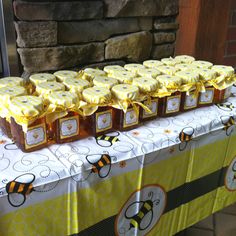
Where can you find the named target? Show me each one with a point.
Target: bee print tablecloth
(154, 180)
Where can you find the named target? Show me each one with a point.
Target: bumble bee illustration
(10, 146)
(185, 136)
(107, 140)
(228, 122)
(234, 171)
(227, 106)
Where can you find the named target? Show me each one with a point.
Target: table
(157, 179)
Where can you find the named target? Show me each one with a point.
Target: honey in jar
(28, 127)
(90, 73)
(152, 63)
(184, 59)
(98, 114)
(223, 82)
(125, 112)
(7, 93)
(11, 81)
(36, 79)
(61, 75)
(106, 82)
(147, 87)
(64, 123)
(170, 97)
(206, 97)
(190, 82)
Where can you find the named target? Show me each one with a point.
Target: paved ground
(222, 223)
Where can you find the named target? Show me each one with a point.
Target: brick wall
(54, 35)
(230, 47)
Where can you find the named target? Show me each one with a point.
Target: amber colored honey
(162, 107)
(19, 136)
(5, 126)
(144, 116)
(221, 95)
(119, 121)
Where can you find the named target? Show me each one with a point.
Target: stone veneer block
(160, 38)
(166, 26)
(125, 8)
(58, 11)
(133, 47)
(101, 65)
(160, 51)
(55, 58)
(36, 34)
(100, 30)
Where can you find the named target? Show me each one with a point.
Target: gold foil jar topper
(123, 76)
(206, 74)
(145, 85)
(42, 77)
(61, 75)
(106, 82)
(188, 76)
(48, 87)
(169, 81)
(133, 67)
(167, 70)
(184, 59)
(223, 70)
(90, 73)
(152, 63)
(148, 72)
(11, 81)
(169, 61)
(76, 85)
(112, 68)
(125, 92)
(203, 64)
(11, 91)
(97, 95)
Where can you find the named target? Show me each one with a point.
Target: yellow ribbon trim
(222, 82)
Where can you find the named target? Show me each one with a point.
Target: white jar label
(69, 127)
(190, 101)
(103, 120)
(207, 97)
(35, 136)
(153, 107)
(227, 92)
(173, 104)
(131, 117)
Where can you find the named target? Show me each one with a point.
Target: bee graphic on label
(139, 217)
(230, 177)
(227, 106)
(185, 136)
(229, 123)
(107, 140)
(10, 146)
(100, 164)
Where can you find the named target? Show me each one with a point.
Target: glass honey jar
(98, 112)
(167, 70)
(106, 82)
(28, 126)
(206, 97)
(152, 63)
(148, 72)
(63, 122)
(11, 81)
(7, 93)
(184, 59)
(148, 88)
(36, 79)
(190, 87)
(223, 82)
(90, 73)
(125, 111)
(203, 64)
(169, 95)
(61, 75)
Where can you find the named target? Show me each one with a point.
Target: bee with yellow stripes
(185, 136)
(107, 140)
(227, 106)
(144, 216)
(229, 123)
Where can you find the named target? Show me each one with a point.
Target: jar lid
(48, 87)
(188, 76)
(145, 84)
(125, 91)
(203, 64)
(152, 63)
(103, 81)
(149, 72)
(97, 95)
(169, 81)
(206, 74)
(41, 77)
(63, 74)
(63, 98)
(76, 85)
(223, 70)
(11, 81)
(11, 91)
(123, 76)
(184, 59)
(110, 69)
(168, 70)
(185, 66)
(133, 67)
(169, 61)
(91, 73)
(26, 105)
